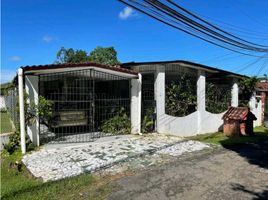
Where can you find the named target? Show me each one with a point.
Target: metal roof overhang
(117, 72)
(189, 64)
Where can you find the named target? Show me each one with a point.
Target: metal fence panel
(82, 101)
(12, 106)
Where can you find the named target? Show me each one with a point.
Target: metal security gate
(148, 102)
(82, 101)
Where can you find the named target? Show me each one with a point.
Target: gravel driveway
(239, 172)
(51, 164)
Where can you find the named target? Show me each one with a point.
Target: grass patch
(220, 139)
(6, 126)
(22, 185)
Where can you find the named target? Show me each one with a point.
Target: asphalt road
(239, 172)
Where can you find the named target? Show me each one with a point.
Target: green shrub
(246, 89)
(218, 97)
(3, 110)
(118, 124)
(14, 143)
(148, 122)
(181, 96)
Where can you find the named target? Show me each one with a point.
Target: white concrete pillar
(201, 98)
(159, 95)
(235, 100)
(135, 107)
(252, 102)
(22, 114)
(31, 88)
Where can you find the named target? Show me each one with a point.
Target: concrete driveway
(239, 172)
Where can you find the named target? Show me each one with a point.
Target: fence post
(22, 116)
(135, 108)
(235, 99)
(201, 99)
(160, 96)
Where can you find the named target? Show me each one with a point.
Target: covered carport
(83, 96)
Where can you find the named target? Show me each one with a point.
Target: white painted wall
(135, 107)
(180, 126)
(31, 87)
(256, 109)
(211, 122)
(2, 102)
(199, 122)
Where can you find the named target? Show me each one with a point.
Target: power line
(179, 18)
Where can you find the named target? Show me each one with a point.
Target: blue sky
(32, 31)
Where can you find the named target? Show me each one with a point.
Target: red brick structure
(238, 120)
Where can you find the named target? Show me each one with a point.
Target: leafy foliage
(71, 56)
(246, 89)
(13, 144)
(217, 98)
(32, 111)
(104, 55)
(101, 55)
(181, 96)
(44, 109)
(118, 124)
(147, 122)
(6, 87)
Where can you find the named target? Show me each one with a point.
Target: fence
(12, 107)
(82, 101)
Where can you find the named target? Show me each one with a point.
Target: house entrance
(148, 103)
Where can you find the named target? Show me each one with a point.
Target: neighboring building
(262, 91)
(86, 95)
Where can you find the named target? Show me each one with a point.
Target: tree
(104, 55)
(246, 89)
(71, 56)
(99, 55)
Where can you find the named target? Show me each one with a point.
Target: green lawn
(6, 126)
(220, 139)
(21, 185)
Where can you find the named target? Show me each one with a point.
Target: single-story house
(182, 97)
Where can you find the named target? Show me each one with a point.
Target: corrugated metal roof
(188, 63)
(262, 86)
(238, 113)
(117, 68)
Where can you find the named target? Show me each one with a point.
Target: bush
(3, 110)
(246, 89)
(218, 97)
(181, 96)
(118, 124)
(14, 143)
(148, 121)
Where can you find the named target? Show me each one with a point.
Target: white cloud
(47, 38)
(15, 58)
(126, 13)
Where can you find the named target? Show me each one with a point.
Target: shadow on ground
(255, 152)
(256, 195)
